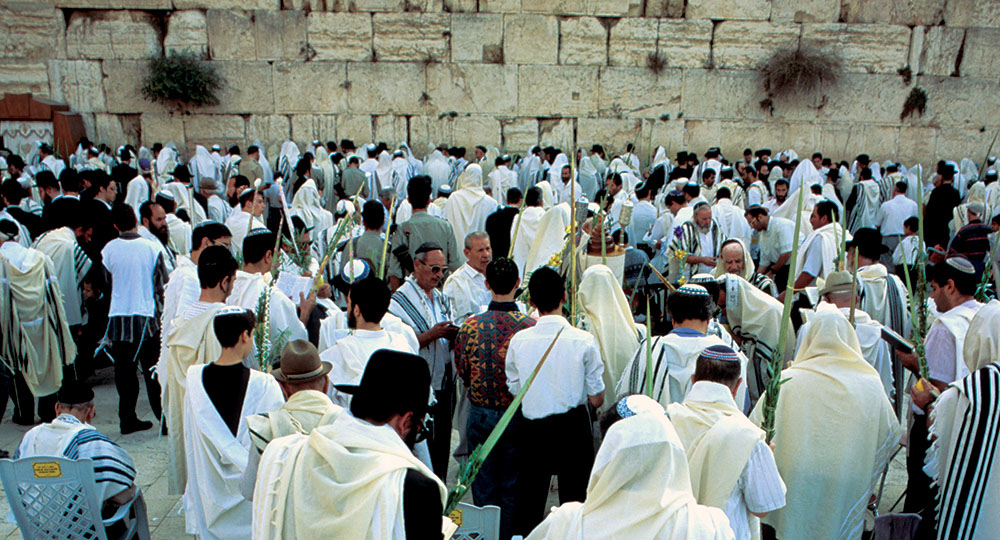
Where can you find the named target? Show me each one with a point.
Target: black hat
(833, 174)
(597, 148)
(348, 144)
(682, 156)
(181, 172)
(393, 383)
(74, 393)
(869, 243)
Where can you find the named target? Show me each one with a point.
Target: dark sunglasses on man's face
(434, 269)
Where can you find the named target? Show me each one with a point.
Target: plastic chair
(53, 497)
(478, 523)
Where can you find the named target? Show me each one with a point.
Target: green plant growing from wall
(916, 102)
(799, 71)
(183, 79)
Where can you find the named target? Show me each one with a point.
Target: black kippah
(73, 393)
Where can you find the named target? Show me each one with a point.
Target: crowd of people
(323, 335)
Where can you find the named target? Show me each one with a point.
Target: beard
(233, 200)
(163, 235)
(703, 230)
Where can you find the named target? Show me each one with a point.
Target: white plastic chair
(56, 498)
(478, 523)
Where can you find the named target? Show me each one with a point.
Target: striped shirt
(759, 490)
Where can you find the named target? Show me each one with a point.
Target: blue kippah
(638, 404)
(258, 232)
(720, 352)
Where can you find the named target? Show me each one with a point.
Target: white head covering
(748, 266)
(489, 160)
(287, 160)
(202, 163)
(264, 163)
(982, 342)
(549, 239)
(640, 487)
(414, 162)
(437, 168)
(617, 165)
(555, 170)
(610, 321)
(166, 160)
(384, 170)
(587, 175)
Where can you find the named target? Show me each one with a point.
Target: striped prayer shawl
(964, 483)
(690, 242)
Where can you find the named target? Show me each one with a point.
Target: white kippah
(961, 264)
(694, 290)
(638, 404)
(231, 310)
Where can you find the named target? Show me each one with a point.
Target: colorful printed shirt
(481, 352)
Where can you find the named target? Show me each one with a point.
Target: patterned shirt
(481, 352)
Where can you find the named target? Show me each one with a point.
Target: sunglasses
(434, 269)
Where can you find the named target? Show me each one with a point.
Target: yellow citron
(683, 280)
(680, 254)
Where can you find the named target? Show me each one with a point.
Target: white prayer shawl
(70, 265)
(609, 319)
(639, 487)
(956, 320)
(804, 175)
(589, 178)
(566, 193)
(185, 201)
(350, 354)
(437, 168)
(384, 172)
(865, 212)
(754, 317)
(660, 157)
(180, 234)
(643, 220)
(469, 206)
(310, 206)
(411, 304)
(790, 207)
(401, 170)
(287, 160)
(874, 349)
(828, 236)
(182, 290)
(555, 172)
(501, 179)
(165, 163)
(885, 298)
(913, 178)
(137, 192)
(202, 165)
(237, 225)
(969, 172)
(213, 505)
(247, 289)
(343, 480)
(829, 369)
(550, 238)
(548, 195)
(732, 221)
(218, 210)
(416, 167)
(37, 341)
(530, 218)
(188, 343)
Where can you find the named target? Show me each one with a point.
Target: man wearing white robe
(140, 189)
(883, 295)
(367, 305)
(251, 205)
(524, 227)
(218, 210)
(466, 288)
(501, 179)
(829, 368)
(219, 396)
(820, 248)
(468, 208)
(191, 341)
(730, 217)
(864, 203)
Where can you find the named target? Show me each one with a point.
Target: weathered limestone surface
(78, 83)
(583, 40)
(187, 31)
(530, 39)
(25, 78)
(162, 127)
(745, 45)
(469, 131)
(632, 41)
(390, 128)
(303, 87)
(473, 88)
(340, 36)
(271, 127)
(571, 90)
(230, 35)
(822, 11)
(279, 34)
(685, 43)
(908, 12)
(477, 38)
(983, 13)
(940, 50)
(386, 87)
(868, 48)
(519, 134)
(639, 93)
(111, 35)
(556, 132)
(753, 10)
(979, 59)
(31, 32)
(410, 36)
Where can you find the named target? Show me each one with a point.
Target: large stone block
(230, 35)
(386, 88)
(302, 87)
(186, 31)
(614, 134)
(208, 129)
(555, 7)
(428, 131)
(269, 129)
(753, 10)
(982, 13)
(18, 78)
(519, 134)
(685, 43)
(954, 101)
(638, 92)
(939, 53)
(500, 6)
(112, 4)
(865, 48)
(846, 141)
(477, 38)
(917, 145)
(746, 45)
(473, 88)
(412, 36)
(632, 42)
(908, 12)
(822, 11)
(583, 40)
(228, 4)
(390, 128)
(616, 8)
(112, 35)
(459, 6)
(115, 130)
(557, 132)
(161, 127)
(77, 83)
(307, 128)
(376, 5)
(955, 143)
(702, 88)
(340, 36)
(122, 87)
(566, 90)
(279, 34)
(979, 55)
(468, 131)
(31, 32)
(667, 133)
(247, 89)
(665, 8)
(530, 39)
(870, 99)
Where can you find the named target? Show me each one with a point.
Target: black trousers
(561, 445)
(439, 443)
(17, 390)
(128, 356)
(920, 495)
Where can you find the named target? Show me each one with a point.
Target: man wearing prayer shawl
(639, 487)
(883, 295)
(864, 203)
(469, 206)
(963, 457)
(607, 316)
(357, 477)
(731, 466)
(69, 262)
(309, 204)
(248, 216)
(437, 169)
(188, 341)
(820, 248)
(834, 432)
(696, 248)
(953, 285)
(304, 383)
(674, 355)
(754, 320)
(734, 258)
(523, 229)
(216, 440)
(501, 179)
(730, 217)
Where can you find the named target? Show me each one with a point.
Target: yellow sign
(456, 517)
(47, 469)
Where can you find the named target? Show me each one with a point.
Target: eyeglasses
(434, 269)
(424, 430)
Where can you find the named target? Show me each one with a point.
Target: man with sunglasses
(421, 305)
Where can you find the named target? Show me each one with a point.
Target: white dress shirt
(571, 373)
(776, 239)
(893, 213)
(467, 290)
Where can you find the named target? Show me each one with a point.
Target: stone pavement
(149, 451)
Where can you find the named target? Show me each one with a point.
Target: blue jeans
(497, 478)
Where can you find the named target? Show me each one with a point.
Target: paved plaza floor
(149, 450)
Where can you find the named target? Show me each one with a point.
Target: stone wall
(513, 73)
